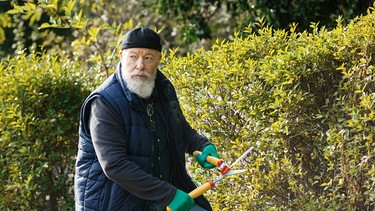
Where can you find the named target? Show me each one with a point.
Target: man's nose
(140, 64)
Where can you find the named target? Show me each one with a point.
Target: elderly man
(133, 137)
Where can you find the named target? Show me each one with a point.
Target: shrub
(40, 100)
(304, 101)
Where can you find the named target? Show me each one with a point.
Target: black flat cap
(141, 37)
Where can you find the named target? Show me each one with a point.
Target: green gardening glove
(181, 201)
(207, 150)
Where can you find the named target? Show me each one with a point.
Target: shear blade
(233, 172)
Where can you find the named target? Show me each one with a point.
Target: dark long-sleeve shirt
(108, 137)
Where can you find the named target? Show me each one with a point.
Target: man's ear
(120, 54)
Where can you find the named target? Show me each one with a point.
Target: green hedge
(40, 100)
(304, 101)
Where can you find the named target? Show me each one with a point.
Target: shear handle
(223, 167)
(199, 190)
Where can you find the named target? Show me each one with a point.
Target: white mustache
(140, 73)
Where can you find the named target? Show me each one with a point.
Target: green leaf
(16, 10)
(47, 25)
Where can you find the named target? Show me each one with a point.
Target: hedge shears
(224, 169)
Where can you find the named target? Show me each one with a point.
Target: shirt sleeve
(109, 140)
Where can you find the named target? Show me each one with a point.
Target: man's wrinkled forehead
(141, 52)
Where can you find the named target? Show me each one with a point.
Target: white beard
(142, 88)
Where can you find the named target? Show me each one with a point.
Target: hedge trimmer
(224, 169)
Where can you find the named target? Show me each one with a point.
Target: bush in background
(40, 99)
(304, 101)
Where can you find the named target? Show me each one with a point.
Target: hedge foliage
(304, 101)
(40, 100)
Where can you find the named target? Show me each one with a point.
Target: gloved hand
(207, 150)
(181, 201)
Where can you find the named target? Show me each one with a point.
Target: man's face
(139, 67)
